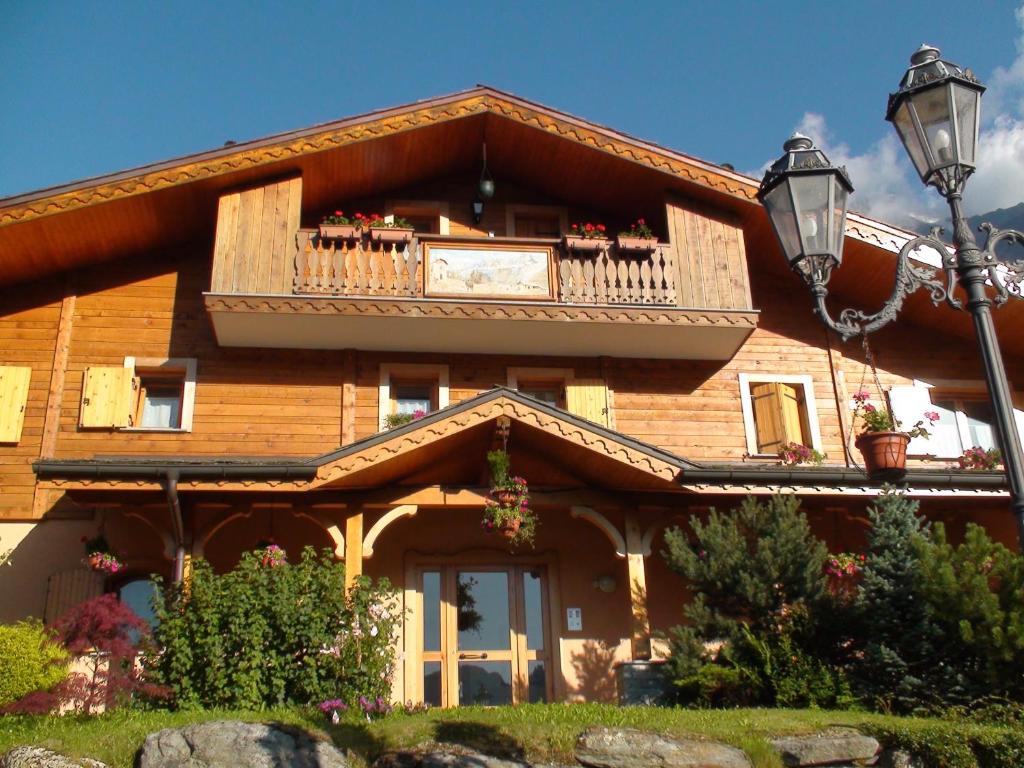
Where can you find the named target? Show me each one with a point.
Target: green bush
(976, 594)
(264, 635)
(29, 661)
(760, 600)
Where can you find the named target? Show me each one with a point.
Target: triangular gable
(591, 446)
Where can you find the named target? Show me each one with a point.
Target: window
(409, 397)
(427, 217)
(150, 394)
(588, 398)
(545, 384)
(778, 410)
(159, 400)
(408, 387)
(536, 221)
(964, 422)
(965, 416)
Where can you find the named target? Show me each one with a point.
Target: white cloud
(887, 187)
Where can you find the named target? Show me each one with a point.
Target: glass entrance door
(484, 635)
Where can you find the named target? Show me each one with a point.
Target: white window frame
(746, 404)
(389, 371)
(973, 389)
(185, 365)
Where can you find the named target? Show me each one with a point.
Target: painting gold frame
(433, 250)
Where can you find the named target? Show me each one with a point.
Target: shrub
(258, 636)
(976, 592)
(30, 660)
(898, 643)
(760, 610)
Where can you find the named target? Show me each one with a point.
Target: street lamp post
(936, 113)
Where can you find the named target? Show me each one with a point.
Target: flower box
(396, 235)
(642, 244)
(338, 232)
(577, 243)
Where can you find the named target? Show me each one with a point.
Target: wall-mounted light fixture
(484, 189)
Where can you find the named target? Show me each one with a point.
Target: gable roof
(173, 201)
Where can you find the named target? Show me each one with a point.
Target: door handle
(472, 655)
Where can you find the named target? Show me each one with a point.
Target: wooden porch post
(353, 548)
(637, 589)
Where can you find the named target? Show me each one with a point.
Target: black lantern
(805, 196)
(936, 114)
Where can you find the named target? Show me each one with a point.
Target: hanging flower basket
(507, 508)
(98, 556)
(885, 453)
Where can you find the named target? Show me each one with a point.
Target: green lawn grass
(543, 732)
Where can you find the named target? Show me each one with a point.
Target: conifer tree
(899, 642)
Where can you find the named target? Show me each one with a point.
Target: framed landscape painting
(474, 270)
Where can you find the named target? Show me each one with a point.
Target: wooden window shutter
(66, 589)
(794, 413)
(107, 397)
(769, 420)
(14, 384)
(588, 398)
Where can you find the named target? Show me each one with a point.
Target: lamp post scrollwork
(936, 112)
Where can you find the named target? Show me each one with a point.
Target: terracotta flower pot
(390, 235)
(885, 453)
(338, 232)
(577, 243)
(96, 561)
(629, 243)
(510, 528)
(505, 497)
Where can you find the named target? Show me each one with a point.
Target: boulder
(232, 744)
(836, 747)
(444, 756)
(37, 757)
(628, 748)
(898, 758)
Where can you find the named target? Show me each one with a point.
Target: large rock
(444, 756)
(898, 758)
(231, 744)
(37, 757)
(627, 748)
(838, 747)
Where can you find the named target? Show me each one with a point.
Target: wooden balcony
(684, 299)
(362, 268)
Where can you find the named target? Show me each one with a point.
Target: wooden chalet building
(188, 368)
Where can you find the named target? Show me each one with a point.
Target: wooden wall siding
(29, 316)
(255, 240)
(711, 258)
(248, 402)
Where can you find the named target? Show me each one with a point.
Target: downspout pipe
(177, 524)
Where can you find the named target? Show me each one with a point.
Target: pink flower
(869, 408)
(931, 415)
(861, 396)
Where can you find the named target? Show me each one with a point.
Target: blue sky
(92, 88)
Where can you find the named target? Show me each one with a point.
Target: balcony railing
(362, 268)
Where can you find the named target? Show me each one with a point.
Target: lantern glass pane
(780, 211)
(934, 113)
(810, 194)
(966, 101)
(838, 231)
(904, 123)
